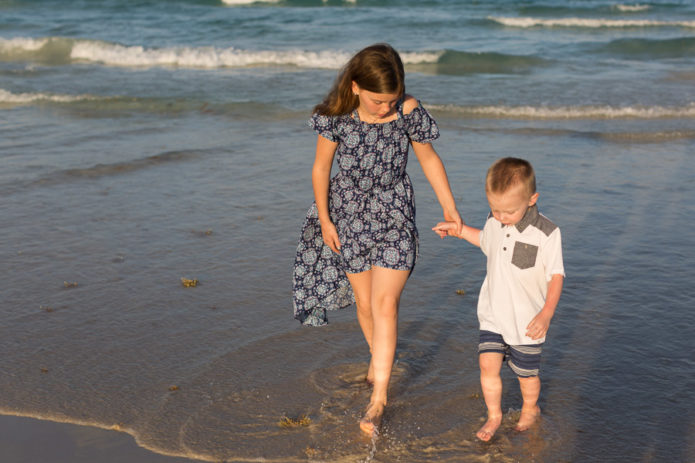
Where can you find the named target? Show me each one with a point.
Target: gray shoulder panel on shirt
(544, 224)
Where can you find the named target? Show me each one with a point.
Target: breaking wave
(27, 98)
(570, 112)
(592, 23)
(59, 50)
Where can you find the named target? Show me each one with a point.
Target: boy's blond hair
(505, 173)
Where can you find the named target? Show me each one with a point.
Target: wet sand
(29, 440)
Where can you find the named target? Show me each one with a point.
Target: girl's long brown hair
(377, 68)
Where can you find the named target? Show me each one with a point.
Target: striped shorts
(524, 360)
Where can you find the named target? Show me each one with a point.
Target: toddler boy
(521, 290)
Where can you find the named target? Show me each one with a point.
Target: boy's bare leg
(491, 384)
(530, 391)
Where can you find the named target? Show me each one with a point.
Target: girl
(359, 239)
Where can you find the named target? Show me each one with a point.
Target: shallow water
(120, 178)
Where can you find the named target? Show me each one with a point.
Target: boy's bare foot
(489, 428)
(371, 420)
(527, 418)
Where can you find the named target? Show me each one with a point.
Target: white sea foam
(23, 98)
(424, 57)
(22, 44)
(572, 112)
(201, 57)
(210, 57)
(587, 22)
(631, 8)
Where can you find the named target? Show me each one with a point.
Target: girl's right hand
(330, 236)
(453, 216)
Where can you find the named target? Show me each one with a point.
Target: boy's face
(509, 207)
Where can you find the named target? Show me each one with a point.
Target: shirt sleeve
(552, 255)
(485, 237)
(420, 125)
(324, 126)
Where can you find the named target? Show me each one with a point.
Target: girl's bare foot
(527, 418)
(371, 420)
(489, 428)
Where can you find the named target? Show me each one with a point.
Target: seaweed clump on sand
(298, 422)
(189, 283)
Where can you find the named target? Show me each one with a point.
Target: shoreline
(24, 439)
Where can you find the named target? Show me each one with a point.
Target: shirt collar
(529, 217)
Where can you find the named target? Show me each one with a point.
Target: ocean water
(142, 142)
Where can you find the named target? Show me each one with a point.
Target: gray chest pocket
(524, 255)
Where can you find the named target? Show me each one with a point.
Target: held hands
(330, 236)
(456, 227)
(452, 226)
(446, 228)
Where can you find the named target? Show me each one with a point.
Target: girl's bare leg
(362, 288)
(530, 391)
(387, 285)
(491, 384)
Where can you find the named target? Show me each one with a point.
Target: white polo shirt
(521, 259)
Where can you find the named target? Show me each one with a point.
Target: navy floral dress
(371, 203)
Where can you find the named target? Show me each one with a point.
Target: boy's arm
(541, 322)
(470, 234)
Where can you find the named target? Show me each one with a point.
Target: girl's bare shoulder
(409, 103)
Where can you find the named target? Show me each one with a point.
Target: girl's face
(377, 106)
